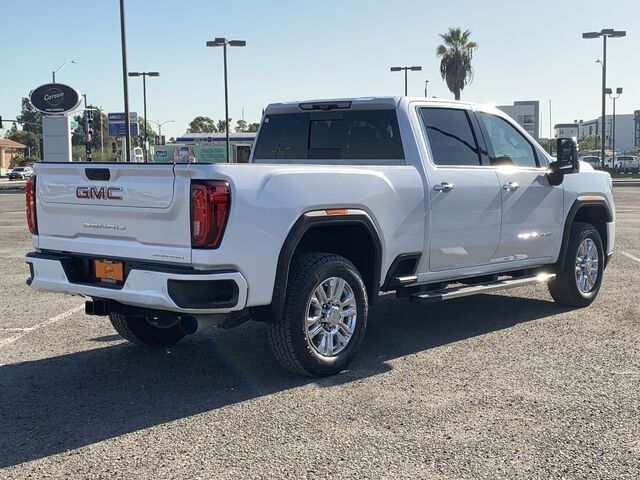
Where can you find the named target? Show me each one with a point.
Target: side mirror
(566, 161)
(567, 156)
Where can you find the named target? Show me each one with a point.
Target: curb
(12, 188)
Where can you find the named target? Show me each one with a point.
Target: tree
(546, 144)
(151, 134)
(202, 125)
(253, 127)
(455, 64)
(222, 125)
(28, 139)
(241, 126)
(30, 116)
(590, 142)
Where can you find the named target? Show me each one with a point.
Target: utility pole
(426, 84)
(123, 42)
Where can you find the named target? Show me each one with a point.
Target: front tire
(579, 276)
(324, 316)
(140, 331)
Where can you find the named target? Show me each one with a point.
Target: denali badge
(104, 226)
(102, 193)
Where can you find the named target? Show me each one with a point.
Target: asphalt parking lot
(497, 386)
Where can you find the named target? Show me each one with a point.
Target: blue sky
(303, 49)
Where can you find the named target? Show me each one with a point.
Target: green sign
(190, 154)
(210, 154)
(74, 124)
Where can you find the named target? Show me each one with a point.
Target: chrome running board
(468, 290)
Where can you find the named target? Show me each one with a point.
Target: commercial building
(526, 113)
(566, 130)
(8, 150)
(627, 130)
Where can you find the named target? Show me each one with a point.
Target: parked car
(627, 164)
(20, 173)
(593, 161)
(342, 199)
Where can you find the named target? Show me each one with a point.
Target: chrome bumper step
(468, 290)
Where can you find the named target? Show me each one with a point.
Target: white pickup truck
(342, 199)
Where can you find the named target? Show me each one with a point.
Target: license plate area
(108, 271)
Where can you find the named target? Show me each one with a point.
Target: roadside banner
(190, 154)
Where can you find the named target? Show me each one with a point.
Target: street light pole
(604, 106)
(144, 76)
(604, 33)
(159, 124)
(223, 42)
(426, 84)
(53, 73)
(613, 128)
(406, 69)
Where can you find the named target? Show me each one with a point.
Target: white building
(566, 130)
(625, 130)
(526, 113)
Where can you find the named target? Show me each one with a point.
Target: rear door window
(451, 137)
(350, 136)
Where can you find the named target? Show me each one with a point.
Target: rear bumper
(153, 288)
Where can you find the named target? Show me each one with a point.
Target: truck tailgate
(137, 211)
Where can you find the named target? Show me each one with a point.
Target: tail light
(209, 212)
(30, 198)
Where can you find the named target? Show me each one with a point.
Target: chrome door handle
(511, 186)
(443, 187)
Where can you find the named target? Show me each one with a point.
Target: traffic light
(0, 122)
(113, 147)
(88, 150)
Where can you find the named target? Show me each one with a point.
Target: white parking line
(49, 321)
(628, 255)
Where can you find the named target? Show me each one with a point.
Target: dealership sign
(55, 98)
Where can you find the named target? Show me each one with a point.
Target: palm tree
(456, 53)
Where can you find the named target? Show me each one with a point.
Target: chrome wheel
(331, 316)
(587, 265)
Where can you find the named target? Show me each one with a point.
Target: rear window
(352, 136)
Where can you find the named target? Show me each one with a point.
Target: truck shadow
(61, 403)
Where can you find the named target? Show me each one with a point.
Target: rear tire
(139, 331)
(575, 285)
(324, 316)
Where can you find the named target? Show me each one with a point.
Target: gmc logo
(102, 193)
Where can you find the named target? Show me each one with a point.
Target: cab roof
(359, 103)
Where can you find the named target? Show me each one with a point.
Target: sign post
(118, 127)
(55, 100)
